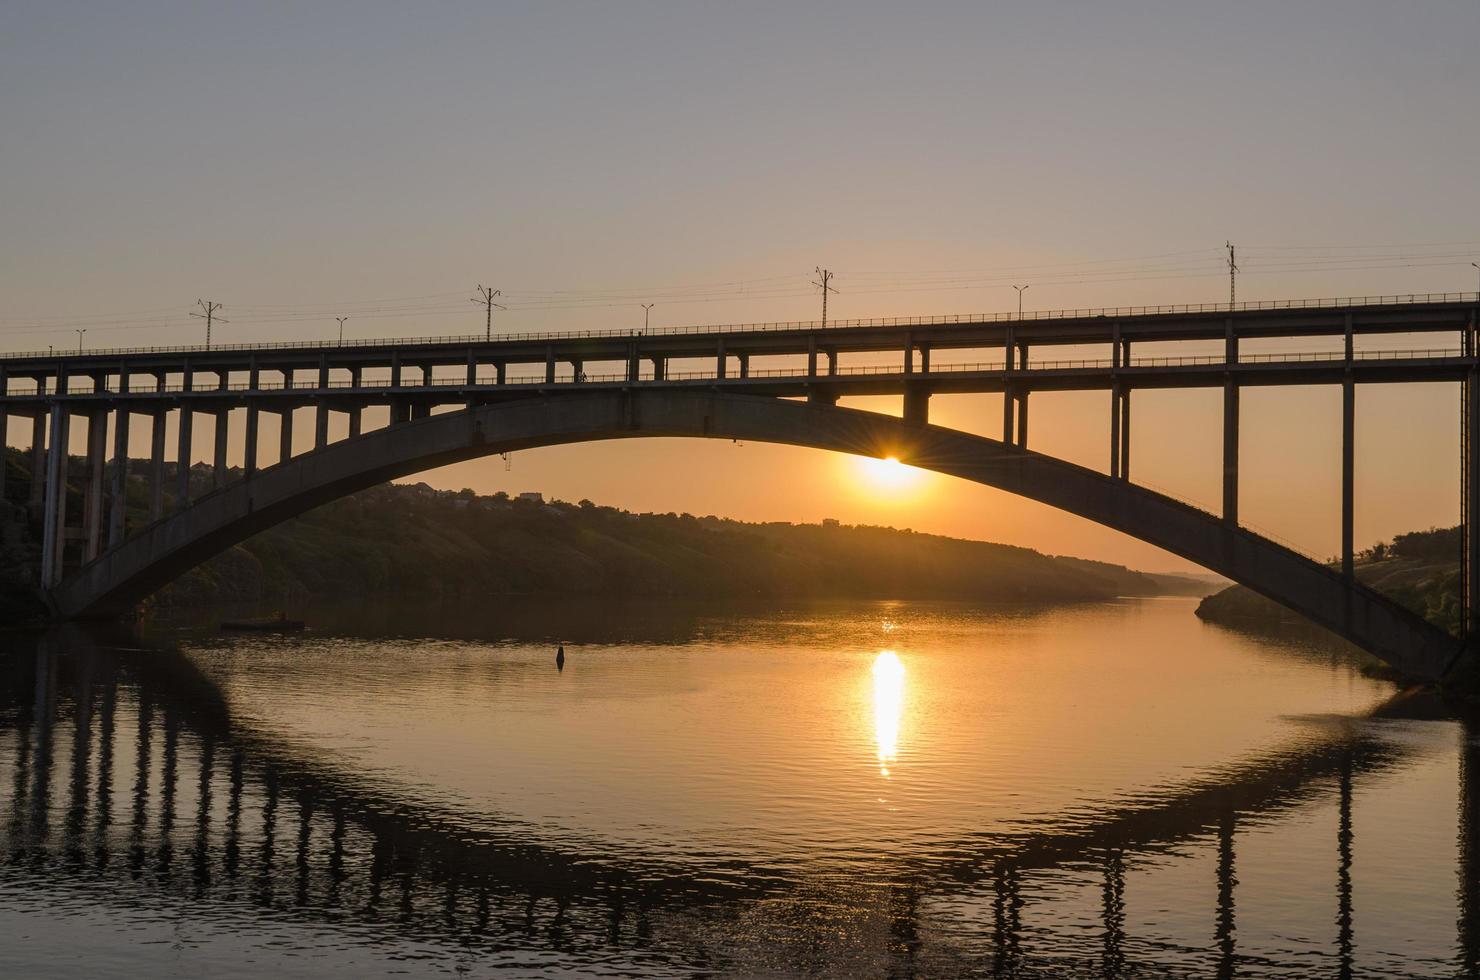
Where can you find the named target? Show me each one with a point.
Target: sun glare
(888, 707)
(888, 473)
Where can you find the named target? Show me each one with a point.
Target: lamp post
(1477, 269)
(80, 332)
(341, 320)
(647, 308)
(1020, 291)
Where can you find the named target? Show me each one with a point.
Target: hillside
(1419, 569)
(414, 540)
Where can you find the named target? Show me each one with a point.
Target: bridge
(442, 400)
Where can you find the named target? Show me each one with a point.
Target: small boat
(280, 624)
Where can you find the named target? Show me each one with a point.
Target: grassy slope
(416, 541)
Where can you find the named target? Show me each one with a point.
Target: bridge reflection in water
(125, 779)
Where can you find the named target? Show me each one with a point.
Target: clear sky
(292, 161)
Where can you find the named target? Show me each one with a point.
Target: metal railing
(866, 370)
(1345, 302)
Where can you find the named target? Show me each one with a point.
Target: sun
(888, 473)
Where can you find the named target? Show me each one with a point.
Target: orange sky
(296, 164)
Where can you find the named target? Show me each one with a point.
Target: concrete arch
(120, 578)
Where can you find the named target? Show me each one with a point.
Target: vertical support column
(1348, 456)
(357, 411)
(909, 357)
(1230, 426)
(156, 465)
(660, 368)
(744, 360)
(38, 458)
(498, 372)
(321, 424)
(634, 363)
(1470, 505)
(1125, 434)
(285, 434)
(812, 356)
(1007, 395)
(472, 378)
(4, 434)
(97, 461)
(832, 363)
(721, 359)
(549, 364)
(182, 466)
(218, 468)
(916, 405)
(54, 525)
(1022, 406)
(1115, 395)
(577, 370)
(249, 451)
(118, 506)
(924, 358)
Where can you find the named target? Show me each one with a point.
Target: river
(832, 789)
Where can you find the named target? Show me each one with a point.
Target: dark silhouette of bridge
(771, 382)
(127, 778)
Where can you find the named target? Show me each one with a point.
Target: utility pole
(823, 278)
(485, 296)
(647, 308)
(208, 313)
(1477, 267)
(1020, 291)
(341, 320)
(79, 339)
(1232, 273)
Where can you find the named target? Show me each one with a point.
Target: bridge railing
(981, 367)
(1341, 302)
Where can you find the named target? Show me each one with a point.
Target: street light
(1477, 267)
(341, 320)
(80, 332)
(1020, 291)
(647, 308)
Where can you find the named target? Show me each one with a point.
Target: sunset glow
(888, 707)
(888, 475)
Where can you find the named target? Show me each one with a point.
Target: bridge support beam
(1348, 473)
(744, 360)
(97, 461)
(916, 405)
(1125, 434)
(156, 465)
(1115, 421)
(721, 360)
(1230, 428)
(54, 524)
(118, 510)
(1470, 457)
(285, 435)
(182, 455)
(1022, 399)
(38, 460)
(218, 468)
(4, 438)
(320, 425)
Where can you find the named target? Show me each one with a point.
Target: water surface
(844, 789)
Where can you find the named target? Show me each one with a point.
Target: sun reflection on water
(888, 706)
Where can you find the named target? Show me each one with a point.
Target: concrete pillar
(1470, 453)
(720, 360)
(356, 415)
(498, 372)
(1115, 430)
(916, 405)
(321, 425)
(832, 363)
(1125, 434)
(549, 364)
(249, 451)
(118, 508)
(909, 358)
(285, 435)
(4, 444)
(744, 360)
(156, 466)
(218, 468)
(1348, 456)
(54, 524)
(660, 368)
(577, 369)
(182, 466)
(924, 358)
(1022, 400)
(97, 461)
(812, 356)
(634, 363)
(1008, 398)
(38, 458)
(1230, 428)
(323, 371)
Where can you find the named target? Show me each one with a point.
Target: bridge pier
(54, 523)
(1470, 481)
(97, 456)
(182, 457)
(916, 405)
(119, 506)
(744, 360)
(1348, 458)
(38, 460)
(156, 465)
(320, 425)
(1230, 428)
(721, 360)
(285, 435)
(1022, 399)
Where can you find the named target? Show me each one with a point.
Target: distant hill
(414, 540)
(1419, 569)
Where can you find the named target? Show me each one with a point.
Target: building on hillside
(532, 497)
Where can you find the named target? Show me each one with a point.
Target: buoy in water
(560, 657)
